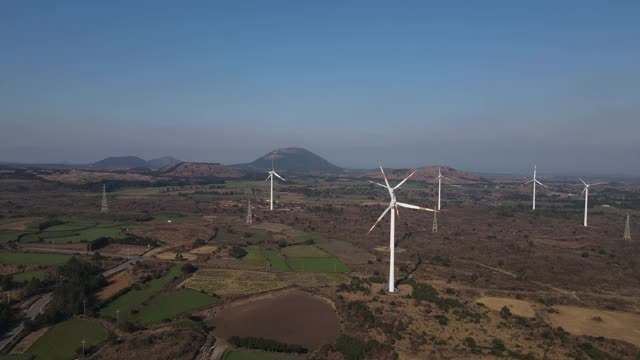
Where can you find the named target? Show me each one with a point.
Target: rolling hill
(200, 170)
(427, 173)
(132, 162)
(292, 159)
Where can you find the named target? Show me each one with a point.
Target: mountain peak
(294, 159)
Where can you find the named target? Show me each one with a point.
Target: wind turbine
(440, 177)
(585, 192)
(271, 174)
(534, 181)
(393, 205)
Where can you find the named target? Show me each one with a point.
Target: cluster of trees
(355, 349)
(78, 281)
(30, 287)
(7, 317)
(266, 345)
(131, 239)
(237, 252)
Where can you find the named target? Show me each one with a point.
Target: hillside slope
(292, 159)
(427, 173)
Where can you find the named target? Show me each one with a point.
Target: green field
(63, 339)
(304, 251)
(134, 298)
(169, 305)
(277, 261)
(28, 275)
(16, 357)
(254, 257)
(32, 259)
(8, 235)
(251, 355)
(316, 264)
(89, 234)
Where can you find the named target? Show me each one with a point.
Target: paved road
(39, 305)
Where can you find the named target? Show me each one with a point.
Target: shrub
(354, 349)
(237, 252)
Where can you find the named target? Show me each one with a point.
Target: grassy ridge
(32, 259)
(63, 339)
(134, 298)
(170, 305)
(28, 275)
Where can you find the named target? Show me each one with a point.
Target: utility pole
(118, 315)
(83, 342)
(105, 206)
(61, 277)
(627, 229)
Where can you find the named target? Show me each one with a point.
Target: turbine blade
(539, 183)
(409, 206)
(276, 174)
(375, 183)
(267, 179)
(527, 182)
(380, 218)
(384, 176)
(446, 178)
(403, 181)
(397, 211)
(585, 184)
(600, 183)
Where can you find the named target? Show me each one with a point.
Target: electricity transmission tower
(627, 230)
(105, 206)
(434, 228)
(249, 216)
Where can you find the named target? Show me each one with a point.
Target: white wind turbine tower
(271, 174)
(534, 181)
(440, 177)
(393, 205)
(585, 191)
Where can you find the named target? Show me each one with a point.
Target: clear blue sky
(479, 85)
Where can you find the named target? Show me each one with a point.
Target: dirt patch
(18, 225)
(292, 317)
(28, 340)
(207, 249)
(117, 283)
(162, 344)
(618, 325)
(124, 250)
(171, 255)
(176, 234)
(517, 307)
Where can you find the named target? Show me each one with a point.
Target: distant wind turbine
(440, 177)
(534, 181)
(585, 192)
(271, 174)
(393, 206)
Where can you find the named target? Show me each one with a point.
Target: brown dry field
(171, 255)
(117, 283)
(19, 224)
(619, 325)
(292, 317)
(124, 250)
(158, 344)
(177, 234)
(207, 249)
(517, 307)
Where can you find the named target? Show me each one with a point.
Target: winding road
(38, 306)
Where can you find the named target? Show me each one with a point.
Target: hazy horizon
(494, 86)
